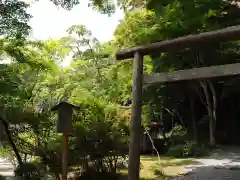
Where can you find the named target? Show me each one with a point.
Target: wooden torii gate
(137, 53)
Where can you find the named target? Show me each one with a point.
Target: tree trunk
(210, 104)
(194, 126)
(214, 104)
(11, 142)
(211, 108)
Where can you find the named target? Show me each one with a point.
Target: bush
(176, 151)
(30, 170)
(92, 174)
(180, 147)
(189, 149)
(99, 143)
(158, 172)
(178, 135)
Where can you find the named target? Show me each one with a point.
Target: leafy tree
(101, 125)
(14, 19)
(166, 20)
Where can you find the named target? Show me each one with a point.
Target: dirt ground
(222, 164)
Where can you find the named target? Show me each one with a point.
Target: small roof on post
(65, 110)
(64, 104)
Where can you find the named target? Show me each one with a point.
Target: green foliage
(178, 135)
(162, 20)
(28, 169)
(192, 149)
(158, 172)
(181, 147)
(34, 81)
(14, 19)
(176, 150)
(138, 27)
(100, 137)
(188, 149)
(92, 174)
(103, 6)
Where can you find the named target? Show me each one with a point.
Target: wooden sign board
(65, 111)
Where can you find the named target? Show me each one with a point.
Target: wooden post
(65, 156)
(134, 148)
(64, 126)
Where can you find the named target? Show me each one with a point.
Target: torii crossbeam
(137, 53)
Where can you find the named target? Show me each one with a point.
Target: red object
(155, 123)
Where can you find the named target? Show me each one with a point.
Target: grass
(169, 166)
(168, 161)
(182, 162)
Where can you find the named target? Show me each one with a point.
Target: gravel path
(6, 168)
(223, 164)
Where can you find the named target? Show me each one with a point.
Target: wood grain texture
(65, 157)
(195, 73)
(225, 34)
(135, 128)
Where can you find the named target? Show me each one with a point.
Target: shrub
(176, 151)
(99, 143)
(30, 170)
(178, 135)
(158, 172)
(189, 149)
(92, 174)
